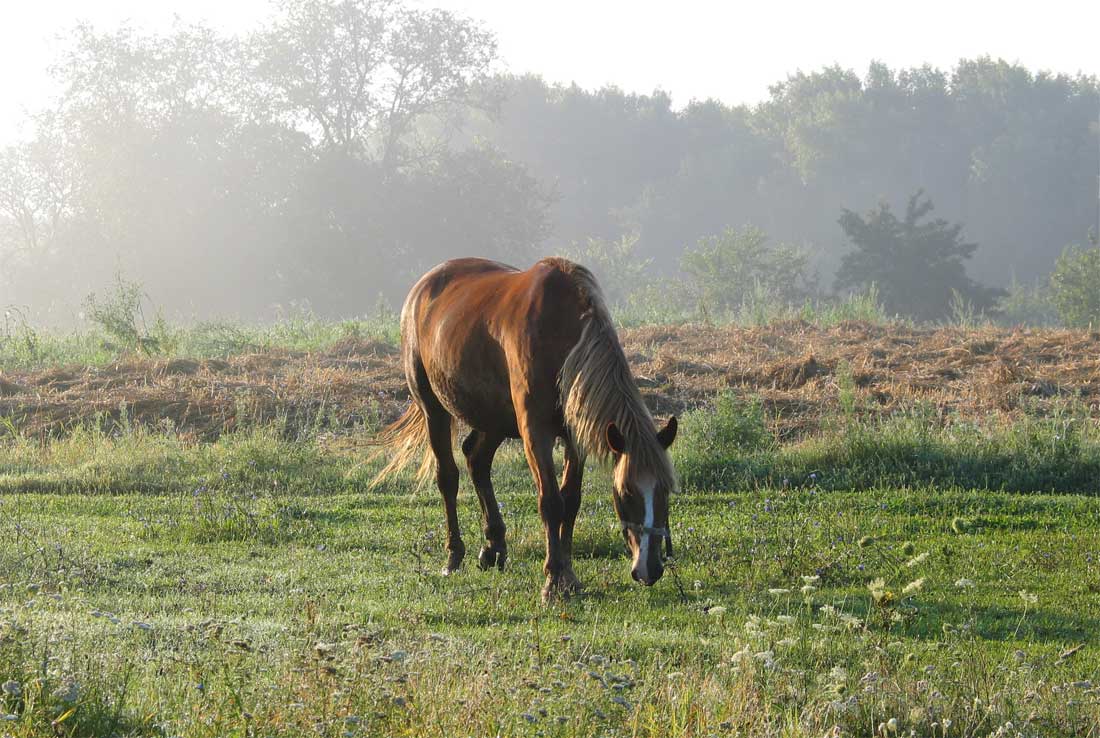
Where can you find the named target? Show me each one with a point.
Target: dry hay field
(798, 370)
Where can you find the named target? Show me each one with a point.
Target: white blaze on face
(647, 487)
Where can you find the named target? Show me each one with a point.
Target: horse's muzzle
(648, 578)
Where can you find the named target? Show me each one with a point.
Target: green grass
(730, 445)
(257, 587)
(660, 304)
(24, 347)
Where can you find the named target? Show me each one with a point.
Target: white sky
(692, 49)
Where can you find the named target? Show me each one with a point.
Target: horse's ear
(668, 434)
(615, 439)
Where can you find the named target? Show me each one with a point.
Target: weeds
(121, 317)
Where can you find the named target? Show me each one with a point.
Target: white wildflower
(914, 586)
(740, 656)
(765, 657)
(850, 621)
(68, 691)
(1029, 598)
(917, 560)
(812, 579)
(779, 591)
(964, 583)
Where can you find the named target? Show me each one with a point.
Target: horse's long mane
(598, 388)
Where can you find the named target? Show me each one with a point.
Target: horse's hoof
(490, 557)
(569, 583)
(454, 561)
(557, 588)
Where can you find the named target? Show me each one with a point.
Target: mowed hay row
(798, 370)
(342, 386)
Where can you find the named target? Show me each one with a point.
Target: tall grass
(23, 347)
(664, 304)
(731, 445)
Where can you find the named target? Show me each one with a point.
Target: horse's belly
(477, 393)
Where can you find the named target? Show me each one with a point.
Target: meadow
(913, 559)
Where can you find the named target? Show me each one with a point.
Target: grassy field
(884, 530)
(152, 585)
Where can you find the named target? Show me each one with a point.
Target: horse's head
(644, 480)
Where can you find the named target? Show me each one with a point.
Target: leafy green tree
(1075, 286)
(361, 72)
(917, 266)
(727, 269)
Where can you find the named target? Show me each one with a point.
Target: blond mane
(597, 388)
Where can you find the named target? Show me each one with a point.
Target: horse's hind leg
(480, 448)
(571, 499)
(446, 477)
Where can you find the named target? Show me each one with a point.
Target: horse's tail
(408, 436)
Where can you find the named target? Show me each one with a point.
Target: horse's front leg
(539, 448)
(571, 502)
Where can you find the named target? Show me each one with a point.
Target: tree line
(337, 152)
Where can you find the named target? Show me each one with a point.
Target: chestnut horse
(531, 355)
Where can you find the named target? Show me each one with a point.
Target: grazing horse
(530, 355)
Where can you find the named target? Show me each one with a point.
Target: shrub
(737, 266)
(1075, 286)
(1024, 305)
(917, 262)
(716, 443)
(120, 315)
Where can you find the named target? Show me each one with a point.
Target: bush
(737, 266)
(716, 443)
(1024, 305)
(120, 315)
(917, 262)
(1075, 286)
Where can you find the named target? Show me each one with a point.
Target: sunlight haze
(692, 50)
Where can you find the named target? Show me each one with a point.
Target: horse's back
(479, 327)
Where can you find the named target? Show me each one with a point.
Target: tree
(362, 71)
(1075, 286)
(38, 186)
(917, 266)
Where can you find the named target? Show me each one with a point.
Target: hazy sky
(692, 49)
